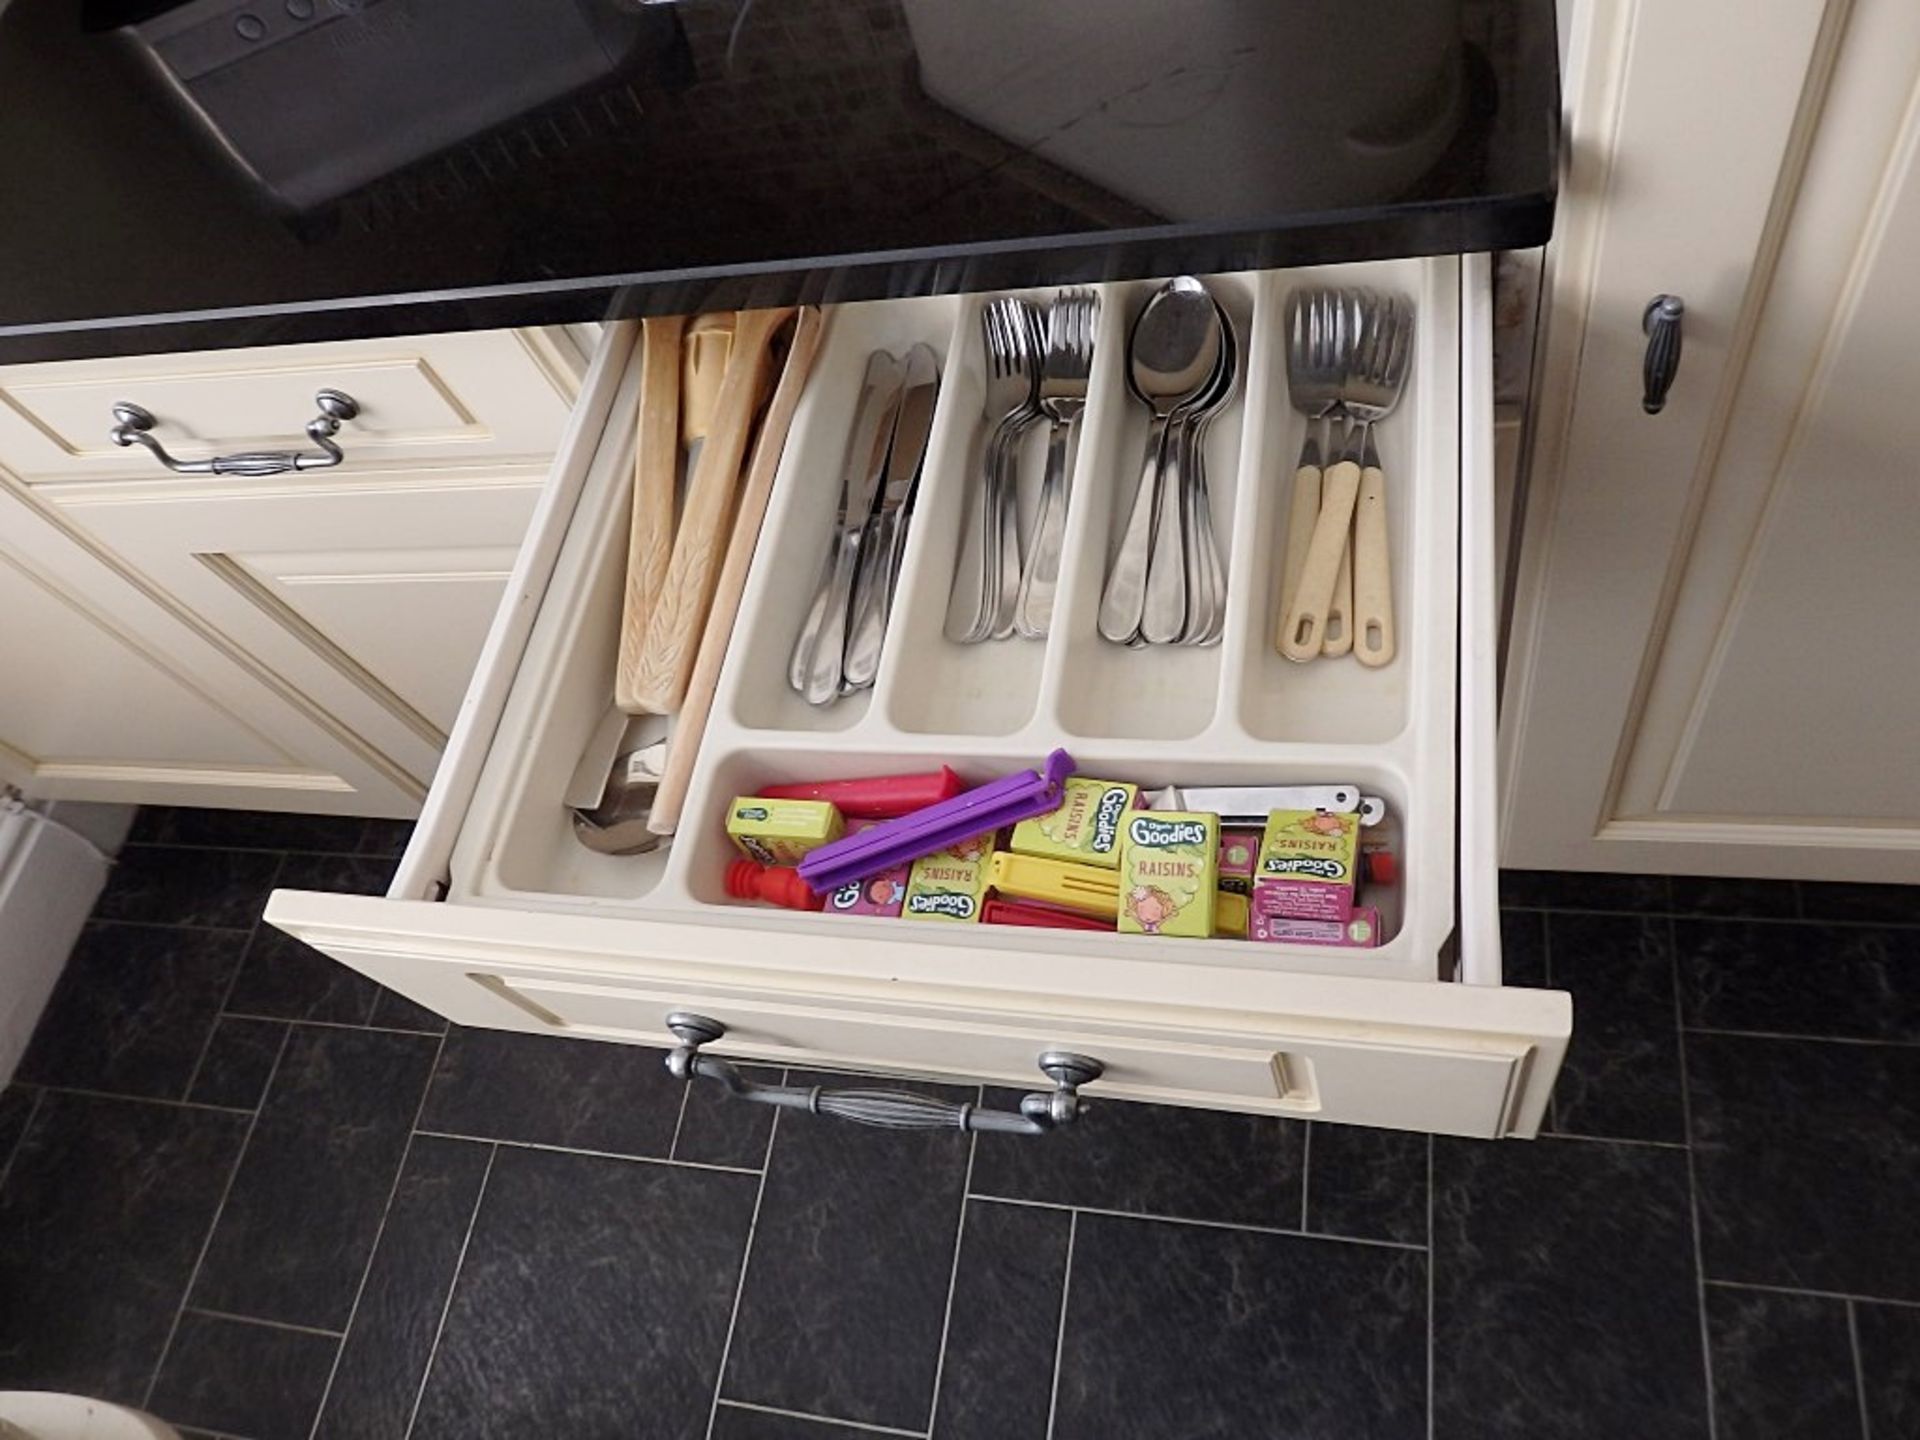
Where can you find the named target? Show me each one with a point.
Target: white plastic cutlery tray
(500, 917)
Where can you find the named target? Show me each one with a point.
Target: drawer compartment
(1415, 1032)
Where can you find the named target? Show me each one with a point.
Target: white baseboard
(49, 879)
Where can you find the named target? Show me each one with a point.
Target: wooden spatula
(700, 543)
(656, 452)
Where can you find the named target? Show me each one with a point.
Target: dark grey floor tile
(997, 1383)
(238, 1378)
(1575, 890)
(287, 979)
(1799, 1148)
(1621, 1078)
(133, 1009)
(406, 1291)
(1369, 1184)
(247, 829)
(294, 1237)
(582, 1094)
(386, 837)
(101, 1219)
(1886, 904)
(1852, 982)
(718, 1129)
(1714, 895)
(1565, 1300)
(394, 1011)
(1523, 948)
(1890, 1369)
(845, 1292)
(1216, 1334)
(1782, 1366)
(16, 1104)
(163, 885)
(238, 1062)
(735, 1422)
(592, 1303)
(1152, 1160)
(341, 874)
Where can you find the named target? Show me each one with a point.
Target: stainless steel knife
(821, 648)
(887, 534)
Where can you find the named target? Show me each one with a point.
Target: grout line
(1693, 1188)
(1306, 1174)
(446, 1306)
(740, 1285)
(1790, 1035)
(1815, 1294)
(1433, 1258)
(175, 925)
(1546, 969)
(1690, 915)
(1613, 1140)
(20, 1141)
(1859, 1371)
(226, 1014)
(1204, 1224)
(953, 1273)
(212, 1314)
(597, 1154)
(379, 1234)
(206, 1241)
(233, 983)
(1060, 1335)
(147, 1099)
(864, 1426)
(680, 1117)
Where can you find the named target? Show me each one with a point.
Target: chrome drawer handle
(888, 1109)
(334, 405)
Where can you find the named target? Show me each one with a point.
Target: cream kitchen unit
(298, 640)
(499, 917)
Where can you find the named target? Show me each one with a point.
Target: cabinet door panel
(1710, 672)
(111, 695)
(369, 597)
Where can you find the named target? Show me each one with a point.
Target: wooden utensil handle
(691, 723)
(650, 539)
(1302, 515)
(1338, 639)
(1303, 627)
(1372, 613)
(666, 659)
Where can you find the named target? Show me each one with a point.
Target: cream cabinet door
(367, 594)
(1711, 668)
(112, 695)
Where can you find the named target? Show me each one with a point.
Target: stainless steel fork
(1063, 396)
(1012, 377)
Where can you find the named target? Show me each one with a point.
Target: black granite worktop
(225, 172)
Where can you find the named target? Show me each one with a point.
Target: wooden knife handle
(673, 632)
(656, 456)
(1303, 627)
(1372, 572)
(691, 723)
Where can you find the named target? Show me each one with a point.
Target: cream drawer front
(493, 397)
(499, 917)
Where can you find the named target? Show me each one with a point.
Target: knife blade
(821, 647)
(886, 537)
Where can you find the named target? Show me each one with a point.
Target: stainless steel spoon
(1172, 352)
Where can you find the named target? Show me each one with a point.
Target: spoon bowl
(1173, 354)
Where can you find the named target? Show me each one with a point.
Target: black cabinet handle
(1661, 322)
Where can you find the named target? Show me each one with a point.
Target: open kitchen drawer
(498, 917)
